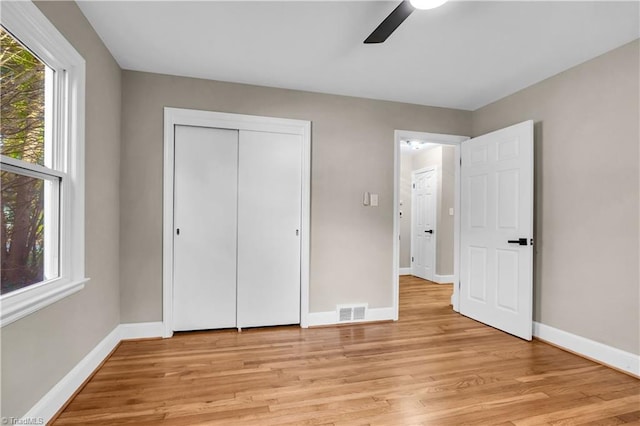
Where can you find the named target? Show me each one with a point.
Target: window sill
(14, 306)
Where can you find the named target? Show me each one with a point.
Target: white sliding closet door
(205, 218)
(269, 217)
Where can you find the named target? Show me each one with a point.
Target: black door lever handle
(521, 241)
(429, 231)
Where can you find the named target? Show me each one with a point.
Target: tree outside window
(24, 193)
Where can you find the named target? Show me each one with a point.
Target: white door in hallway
(205, 217)
(496, 255)
(423, 241)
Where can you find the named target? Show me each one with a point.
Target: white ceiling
(463, 55)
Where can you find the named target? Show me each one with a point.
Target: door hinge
(459, 285)
(414, 186)
(461, 161)
(412, 258)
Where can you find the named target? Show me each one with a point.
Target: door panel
(507, 267)
(508, 199)
(204, 291)
(496, 207)
(269, 209)
(478, 201)
(478, 275)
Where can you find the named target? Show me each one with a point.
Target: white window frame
(29, 25)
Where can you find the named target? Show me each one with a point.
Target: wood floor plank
(582, 413)
(432, 367)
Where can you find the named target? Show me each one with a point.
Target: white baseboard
(141, 330)
(316, 319)
(443, 279)
(439, 279)
(597, 351)
(55, 399)
(380, 314)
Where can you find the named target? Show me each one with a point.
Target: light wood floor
(432, 367)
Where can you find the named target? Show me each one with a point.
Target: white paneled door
(496, 255)
(423, 242)
(269, 203)
(237, 215)
(205, 217)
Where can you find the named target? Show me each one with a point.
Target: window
(29, 195)
(41, 167)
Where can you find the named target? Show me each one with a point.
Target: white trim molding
(444, 279)
(141, 330)
(24, 302)
(316, 319)
(58, 396)
(221, 120)
(380, 314)
(440, 279)
(591, 349)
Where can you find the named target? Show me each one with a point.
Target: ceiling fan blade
(390, 23)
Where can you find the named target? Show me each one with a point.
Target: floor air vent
(351, 313)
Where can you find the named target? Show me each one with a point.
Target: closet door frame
(189, 117)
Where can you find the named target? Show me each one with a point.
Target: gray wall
(352, 152)
(446, 221)
(406, 166)
(38, 350)
(586, 195)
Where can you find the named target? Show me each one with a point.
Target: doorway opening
(426, 208)
(492, 224)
